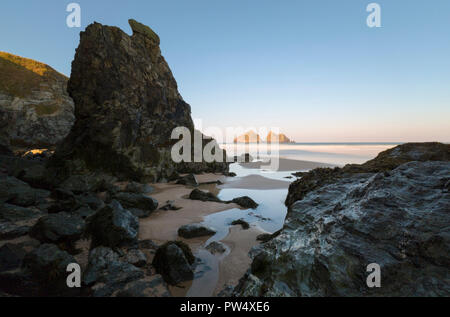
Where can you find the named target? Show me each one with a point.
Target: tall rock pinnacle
(126, 106)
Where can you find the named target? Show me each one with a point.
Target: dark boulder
(174, 261)
(244, 224)
(48, 267)
(189, 180)
(245, 202)
(9, 230)
(90, 200)
(17, 192)
(13, 213)
(11, 256)
(138, 201)
(138, 188)
(195, 230)
(198, 194)
(136, 257)
(59, 228)
(152, 286)
(113, 226)
(106, 273)
(216, 248)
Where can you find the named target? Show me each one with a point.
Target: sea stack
(277, 138)
(126, 105)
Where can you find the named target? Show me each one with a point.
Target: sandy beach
(224, 269)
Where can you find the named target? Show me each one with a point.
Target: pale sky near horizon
(313, 68)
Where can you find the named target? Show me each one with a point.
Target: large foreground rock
(48, 268)
(113, 226)
(59, 228)
(35, 108)
(395, 216)
(174, 261)
(126, 106)
(106, 273)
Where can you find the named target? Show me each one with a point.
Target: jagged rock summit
(126, 105)
(35, 108)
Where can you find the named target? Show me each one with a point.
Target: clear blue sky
(311, 67)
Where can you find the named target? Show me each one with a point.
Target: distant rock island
(277, 138)
(252, 137)
(35, 108)
(248, 137)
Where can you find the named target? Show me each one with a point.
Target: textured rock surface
(126, 106)
(59, 228)
(107, 273)
(174, 261)
(35, 108)
(397, 217)
(195, 230)
(113, 226)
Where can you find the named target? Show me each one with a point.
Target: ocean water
(330, 153)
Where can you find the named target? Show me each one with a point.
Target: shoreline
(224, 269)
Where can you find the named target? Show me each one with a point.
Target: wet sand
(234, 266)
(162, 225)
(223, 269)
(285, 164)
(255, 182)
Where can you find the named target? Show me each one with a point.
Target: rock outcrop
(393, 211)
(35, 108)
(277, 138)
(175, 262)
(126, 106)
(248, 137)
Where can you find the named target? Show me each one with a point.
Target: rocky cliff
(126, 106)
(35, 109)
(393, 211)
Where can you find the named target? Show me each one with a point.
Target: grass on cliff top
(143, 29)
(20, 76)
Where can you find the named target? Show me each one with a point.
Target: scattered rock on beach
(113, 226)
(47, 265)
(170, 206)
(174, 261)
(138, 201)
(216, 247)
(152, 286)
(58, 228)
(11, 256)
(106, 273)
(245, 202)
(198, 194)
(136, 257)
(189, 180)
(244, 224)
(138, 188)
(195, 230)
